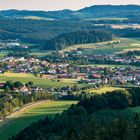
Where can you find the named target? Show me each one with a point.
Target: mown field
(38, 52)
(34, 52)
(24, 78)
(104, 90)
(19, 120)
(123, 45)
(36, 18)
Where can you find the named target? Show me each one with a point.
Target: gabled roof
(96, 75)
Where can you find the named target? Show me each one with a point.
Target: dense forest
(39, 31)
(100, 117)
(79, 37)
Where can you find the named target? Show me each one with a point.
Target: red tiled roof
(96, 75)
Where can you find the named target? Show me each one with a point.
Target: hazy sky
(58, 4)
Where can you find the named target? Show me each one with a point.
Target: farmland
(24, 78)
(123, 45)
(104, 90)
(23, 118)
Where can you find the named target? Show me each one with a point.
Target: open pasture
(110, 47)
(25, 78)
(104, 90)
(23, 118)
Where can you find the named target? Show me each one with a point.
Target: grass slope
(24, 78)
(135, 109)
(125, 44)
(31, 114)
(104, 90)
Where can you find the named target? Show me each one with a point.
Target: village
(89, 74)
(76, 67)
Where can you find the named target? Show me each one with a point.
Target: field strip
(19, 111)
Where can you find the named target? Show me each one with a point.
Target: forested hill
(97, 11)
(62, 14)
(114, 11)
(101, 117)
(79, 37)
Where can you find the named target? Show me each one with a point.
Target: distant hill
(116, 11)
(50, 26)
(63, 14)
(97, 11)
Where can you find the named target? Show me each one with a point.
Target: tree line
(9, 99)
(78, 37)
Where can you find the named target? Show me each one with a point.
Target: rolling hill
(37, 27)
(97, 11)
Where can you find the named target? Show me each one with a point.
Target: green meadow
(23, 118)
(24, 78)
(104, 90)
(135, 109)
(124, 45)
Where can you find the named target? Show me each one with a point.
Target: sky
(50, 5)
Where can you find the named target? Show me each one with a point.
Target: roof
(96, 75)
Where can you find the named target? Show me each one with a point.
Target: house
(95, 76)
(24, 89)
(93, 82)
(120, 81)
(81, 75)
(1, 85)
(64, 76)
(138, 76)
(104, 80)
(137, 83)
(36, 89)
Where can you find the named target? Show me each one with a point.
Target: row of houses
(89, 74)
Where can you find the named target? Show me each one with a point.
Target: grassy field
(24, 78)
(73, 81)
(25, 117)
(125, 44)
(135, 109)
(39, 52)
(104, 90)
(37, 18)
